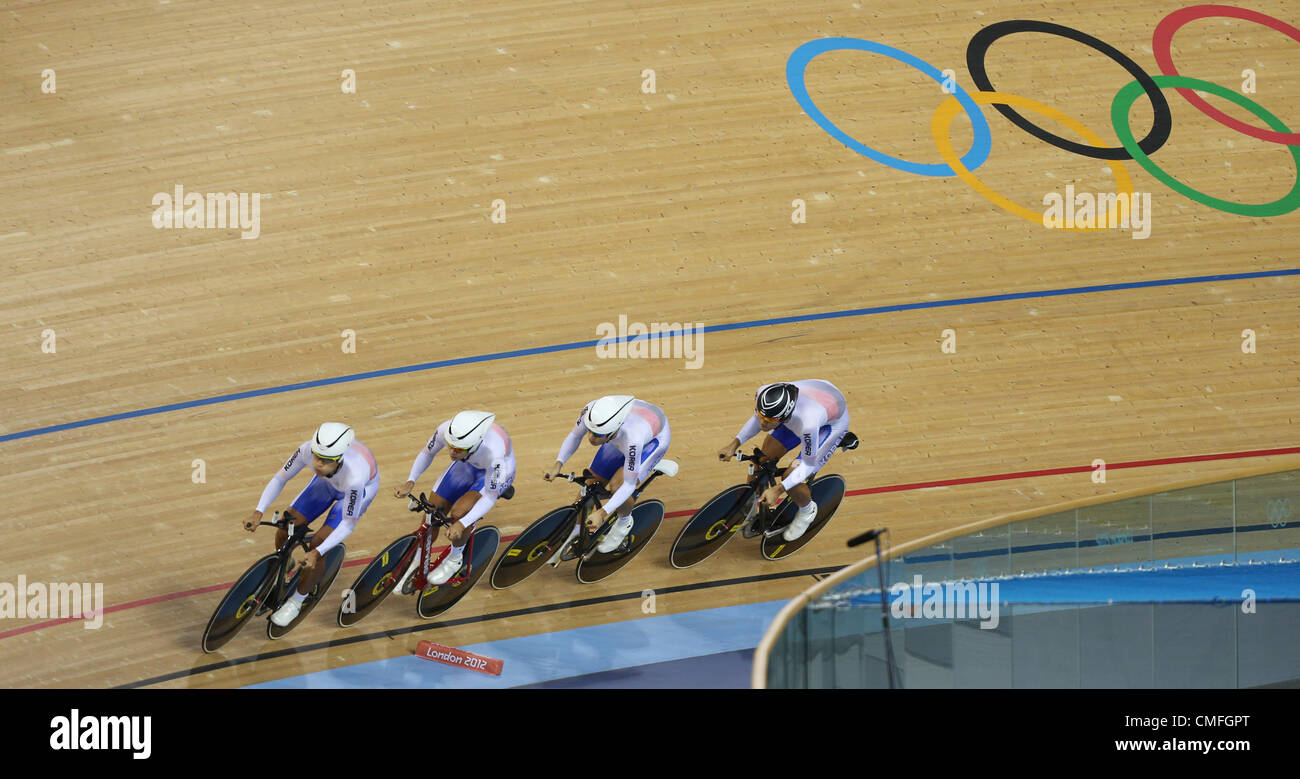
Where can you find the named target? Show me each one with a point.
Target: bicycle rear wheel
(333, 562)
(239, 603)
(439, 598)
(711, 527)
(376, 582)
(827, 492)
(646, 518)
(533, 548)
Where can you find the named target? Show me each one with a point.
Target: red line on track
(921, 485)
(866, 491)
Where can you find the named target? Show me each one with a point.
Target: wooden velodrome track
(673, 206)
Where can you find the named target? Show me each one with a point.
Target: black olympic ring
(1160, 127)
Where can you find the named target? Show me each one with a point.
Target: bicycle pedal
(778, 529)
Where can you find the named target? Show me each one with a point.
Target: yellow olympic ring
(941, 124)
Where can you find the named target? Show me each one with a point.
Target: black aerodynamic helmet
(776, 401)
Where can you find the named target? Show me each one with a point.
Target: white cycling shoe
(449, 565)
(615, 536)
(802, 519)
(287, 613)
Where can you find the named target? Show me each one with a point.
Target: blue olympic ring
(794, 74)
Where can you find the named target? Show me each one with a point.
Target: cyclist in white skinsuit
(482, 467)
(346, 478)
(633, 436)
(812, 415)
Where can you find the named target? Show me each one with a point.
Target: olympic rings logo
(1278, 511)
(1130, 149)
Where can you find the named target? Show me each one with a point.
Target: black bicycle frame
(765, 471)
(593, 491)
(298, 537)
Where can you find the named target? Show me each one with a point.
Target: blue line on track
(853, 312)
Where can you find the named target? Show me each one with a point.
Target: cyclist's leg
(333, 533)
(800, 493)
(335, 529)
(314, 499)
(607, 466)
(777, 444)
(463, 505)
(459, 479)
(651, 454)
(829, 438)
(457, 491)
(614, 482)
(650, 457)
(491, 485)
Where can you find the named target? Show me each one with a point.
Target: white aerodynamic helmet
(468, 428)
(605, 416)
(332, 439)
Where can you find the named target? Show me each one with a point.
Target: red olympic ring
(1164, 34)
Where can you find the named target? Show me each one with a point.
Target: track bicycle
(381, 577)
(266, 585)
(562, 535)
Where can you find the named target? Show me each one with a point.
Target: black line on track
(470, 620)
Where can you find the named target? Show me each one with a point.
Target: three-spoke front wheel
(377, 581)
(712, 526)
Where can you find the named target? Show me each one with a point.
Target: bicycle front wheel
(239, 604)
(376, 582)
(533, 548)
(333, 562)
(712, 526)
(827, 492)
(437, 599)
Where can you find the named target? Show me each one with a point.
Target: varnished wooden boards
(377, 249)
